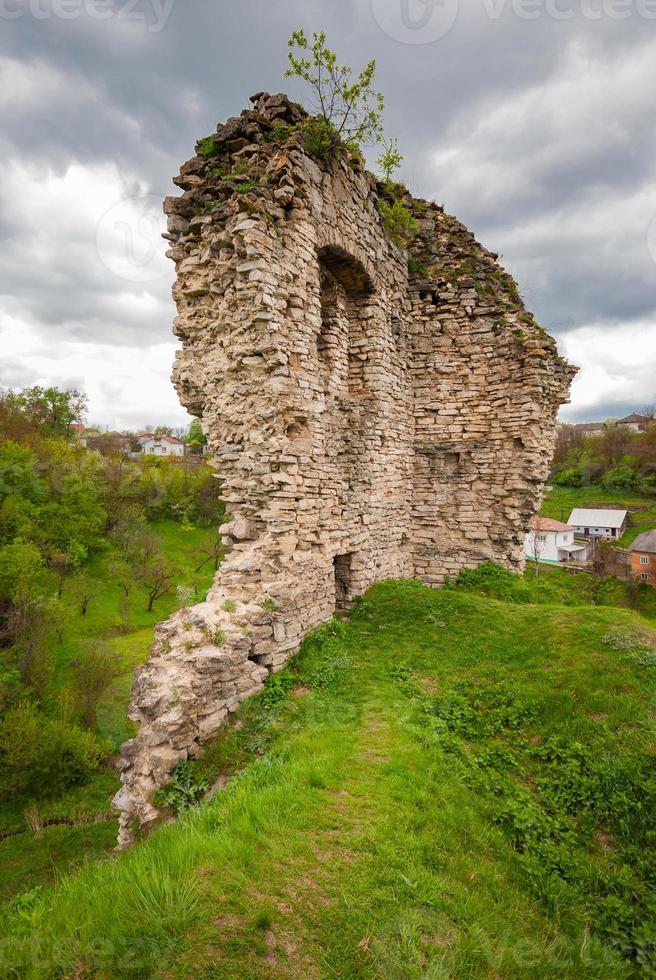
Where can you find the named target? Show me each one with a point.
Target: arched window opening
(346, 288)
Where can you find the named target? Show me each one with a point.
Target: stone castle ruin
(372, 412)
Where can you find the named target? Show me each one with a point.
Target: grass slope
(560, 502)
(29, 858)
(449, 785)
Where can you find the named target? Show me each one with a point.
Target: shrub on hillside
(620, 478)
(494, 581)
(571, 477)
(44, 756)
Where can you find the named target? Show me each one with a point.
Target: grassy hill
(452, 784)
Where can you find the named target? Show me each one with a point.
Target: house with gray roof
(598, 522)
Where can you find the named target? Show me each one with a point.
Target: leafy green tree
(195, 437)
(27, 617)
(63, 563)
(195, 432)
(389, 160)
(21, 567)
(51, 409)
(621, 478)
(75, 520)
(18, 473)
(348, 111)
(41, 755)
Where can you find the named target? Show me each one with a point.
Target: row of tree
(62, 506)
(617, 458)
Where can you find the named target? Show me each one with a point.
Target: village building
(635, 422)
(590, 428)
(553, 542)
(598, 523)
(643, 557)
(163, 445)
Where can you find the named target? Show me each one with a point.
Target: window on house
(644, 560)
(644, 576)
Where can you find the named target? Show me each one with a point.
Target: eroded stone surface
(366, 422)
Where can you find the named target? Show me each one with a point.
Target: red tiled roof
(149, 435)
(547, 524)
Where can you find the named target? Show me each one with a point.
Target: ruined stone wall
(366, 422)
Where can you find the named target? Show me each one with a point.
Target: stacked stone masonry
(366, 421)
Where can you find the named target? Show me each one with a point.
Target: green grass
(103, 618)
(28, 858)
(449, 785)
(557, 585)
(560, 501)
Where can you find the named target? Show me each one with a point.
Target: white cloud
(617, 366)
(86, 255)
(501, 151)
(127, 387)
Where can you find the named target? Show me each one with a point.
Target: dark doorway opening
(342, 567)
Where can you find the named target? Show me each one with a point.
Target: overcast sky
(532, 120)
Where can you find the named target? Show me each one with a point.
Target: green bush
(44, 756)
(206, 146)
(494, 581)
(399, 221)
(571, 477)
(320, 137)
(621, 478)
(416, 267)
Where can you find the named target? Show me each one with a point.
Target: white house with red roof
(152, 445)
(553, 542)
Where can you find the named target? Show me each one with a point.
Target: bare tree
(602, 557)
(570, 445)
(62, 565)
(28, 625)
(538, 544)
(614, 442)
(85, 590)
(157, 575)
(122, 573)
(94, 670)
(213, 552)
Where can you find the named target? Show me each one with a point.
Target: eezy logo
(415, 21)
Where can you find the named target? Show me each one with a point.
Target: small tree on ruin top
(347, 111)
